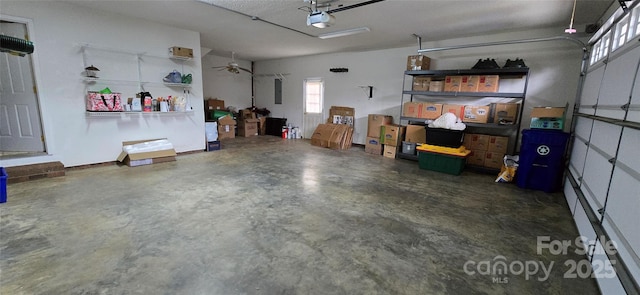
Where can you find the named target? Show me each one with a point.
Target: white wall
(234, 89)
(553, 81)
(74, 138)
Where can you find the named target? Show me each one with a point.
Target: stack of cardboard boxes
(373, 145)
(333, 136)
(247, 123)
(500, 113)
(486, 150)
(391, 139)
(474, 83)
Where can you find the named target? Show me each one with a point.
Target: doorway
(313, 105)
(20, 119)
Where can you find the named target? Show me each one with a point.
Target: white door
(20, 127)
(313, 105)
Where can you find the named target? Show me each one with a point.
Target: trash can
(3, 185)
(541, 163)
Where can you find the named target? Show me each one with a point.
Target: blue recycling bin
(541, 164)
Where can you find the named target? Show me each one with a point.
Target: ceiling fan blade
(248, 71)
(220, 67)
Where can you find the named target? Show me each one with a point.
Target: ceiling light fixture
(320, 19)
(343, 33)
(571, 30)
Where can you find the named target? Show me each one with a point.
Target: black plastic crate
(444, 137)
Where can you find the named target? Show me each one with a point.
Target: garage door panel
(583, 224)
(578, 158)
(606, 136)
(623, 205)
(603, 271)
(629, 148)
(595, 180)
(591, 87)
(583, 128)
(618, 79)
(570, 195)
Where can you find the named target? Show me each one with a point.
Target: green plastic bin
(216, 114)
(441, 162)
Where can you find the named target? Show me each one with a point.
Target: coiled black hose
(8, 43)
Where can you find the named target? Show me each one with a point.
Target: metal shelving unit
(509, 130)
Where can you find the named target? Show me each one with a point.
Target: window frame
(306, 95)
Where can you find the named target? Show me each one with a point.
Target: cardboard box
(505, 113)
(247, 114)
(476, 114)
(342, 115)
(476, 158)
(393, 135)
(226, 127)
(498, 144)
(262, 126)
(548, 112)
(213, 146)
(488, 83)
(548, 118)
(421, 83)
(436, 86)
(479, 142)
(470, 83)
(146, 158)
(430, 110)
(456, 109)
(547, 123)
(411, 109)
(418, 63)
(493, 160)
(322, 135)
(181, 52)
(214, 104)
(452, 83)
(248, 127)
(390, 151)
(466, 140)
(373, 146)
(374, 123)
(226, 131)
(340, 137)
(415, 134)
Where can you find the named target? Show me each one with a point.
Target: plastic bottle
(147, 104)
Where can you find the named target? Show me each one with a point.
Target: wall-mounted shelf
(131, 114)
(132, 74)
(125, 82)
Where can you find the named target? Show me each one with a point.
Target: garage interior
(277, 210)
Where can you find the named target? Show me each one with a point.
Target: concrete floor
(272, 216)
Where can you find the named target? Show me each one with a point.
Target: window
(313, 95)
(595, 52)
(620, 37)
(635, 22)
(606, 40)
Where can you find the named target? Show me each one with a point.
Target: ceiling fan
(233, 67)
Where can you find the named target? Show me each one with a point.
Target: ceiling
(391, 22)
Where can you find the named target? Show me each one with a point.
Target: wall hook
(368, 88)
